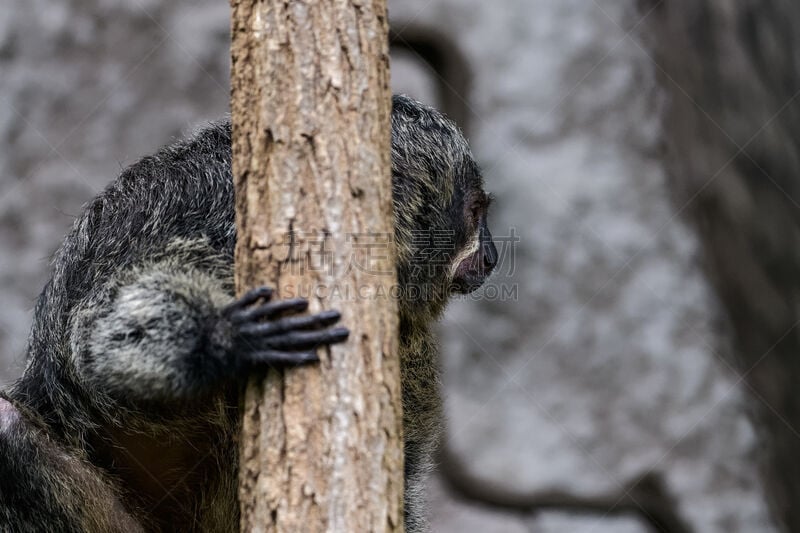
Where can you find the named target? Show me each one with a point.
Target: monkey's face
(443, 241)
(475, 262)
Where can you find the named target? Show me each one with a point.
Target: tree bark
(321, 446)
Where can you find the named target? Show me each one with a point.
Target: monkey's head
(443, 240)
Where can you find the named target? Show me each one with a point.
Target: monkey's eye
(479, 206)
(475, 211)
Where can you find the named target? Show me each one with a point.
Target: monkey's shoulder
(164, 203)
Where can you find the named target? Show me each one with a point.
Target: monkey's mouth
(468, 282)
(472, 272)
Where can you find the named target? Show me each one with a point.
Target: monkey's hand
(264, 332)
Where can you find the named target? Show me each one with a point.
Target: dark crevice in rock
(450, 65)
(647, 498)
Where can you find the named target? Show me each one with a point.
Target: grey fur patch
(8, 416)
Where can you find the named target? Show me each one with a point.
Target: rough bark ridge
(321, 446)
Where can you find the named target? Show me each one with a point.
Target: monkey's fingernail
(306, 358)
(296, 303)
(330, 315)
(339, 334)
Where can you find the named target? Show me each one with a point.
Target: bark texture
(321, 446)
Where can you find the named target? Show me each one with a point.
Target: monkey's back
(184, 191)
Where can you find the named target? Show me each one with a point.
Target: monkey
(126, 416)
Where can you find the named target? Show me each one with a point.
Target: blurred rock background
(631, 365)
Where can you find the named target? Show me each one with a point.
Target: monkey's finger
(265, 329)
(279, 358)
(294, 305)
(250, 297)
(305, 340)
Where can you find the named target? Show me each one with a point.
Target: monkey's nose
(489, 256)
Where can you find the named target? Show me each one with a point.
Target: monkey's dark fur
(126, 418)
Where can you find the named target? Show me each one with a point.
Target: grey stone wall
(587, 388)
(87, 87)
(732, 128)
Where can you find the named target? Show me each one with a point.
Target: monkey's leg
(44, 487)
(173, 334)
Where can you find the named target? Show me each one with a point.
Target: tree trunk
(321, 446)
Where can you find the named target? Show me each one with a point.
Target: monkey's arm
(168, 334)
(44, 487)
(422, 417)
